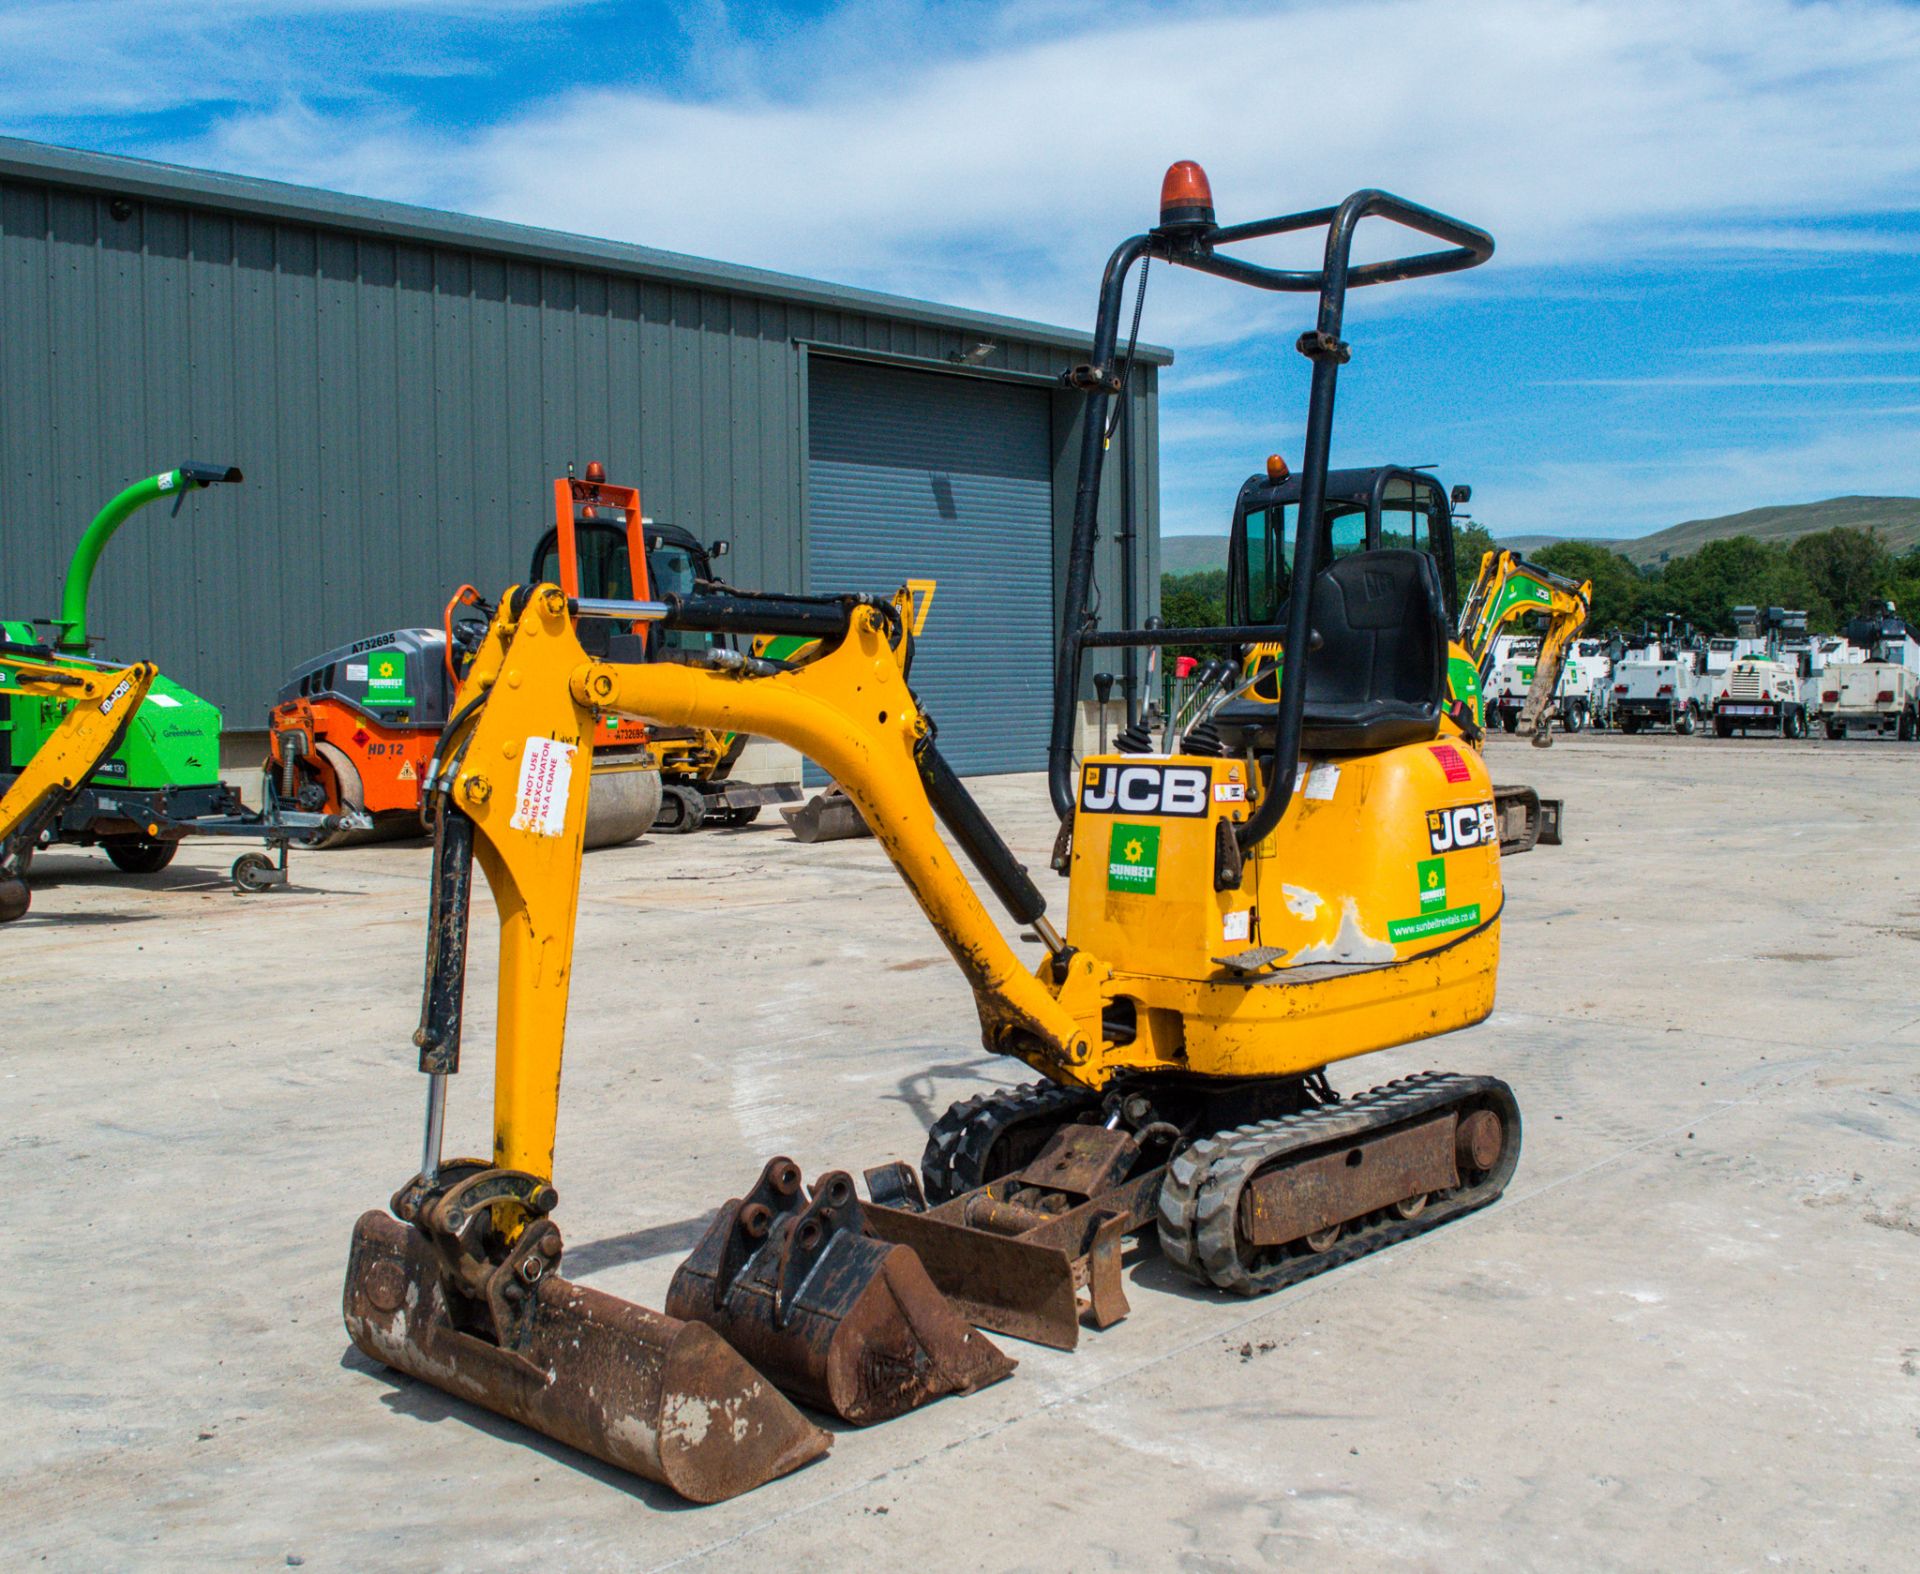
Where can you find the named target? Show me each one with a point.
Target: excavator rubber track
(961, 1146)
(1340, 1181)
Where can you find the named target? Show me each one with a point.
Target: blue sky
(1706, 297)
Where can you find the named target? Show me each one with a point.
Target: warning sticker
(407, 773)
(546, 775)
(1236, 926)
(1321, 782)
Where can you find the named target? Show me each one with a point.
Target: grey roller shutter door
(949, 478)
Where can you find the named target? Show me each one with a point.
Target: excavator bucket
(825, 817)
(845, 1323)
(665, 1399)
(1034, 1253)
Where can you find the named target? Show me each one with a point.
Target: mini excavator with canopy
(1304, 877)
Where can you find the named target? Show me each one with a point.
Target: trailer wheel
(1629, 724)
(139, 854)
(254, 872)
(1686, 721)
(1575, 719)
(1906, 726)
(1836, 730)
(1795, 725)
(1722, 728)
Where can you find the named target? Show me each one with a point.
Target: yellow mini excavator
(1507, 589)
(1300, 880)
(103, 702)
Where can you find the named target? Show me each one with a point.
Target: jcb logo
(1179, 790)
(1471, 825)
(113, 699)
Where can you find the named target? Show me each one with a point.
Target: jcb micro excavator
(1317, 878)
(99, 704)
(1508, 588)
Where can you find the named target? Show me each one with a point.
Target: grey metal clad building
(400, 387)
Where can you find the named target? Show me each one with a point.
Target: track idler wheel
(845, 1323)
(665, 1399)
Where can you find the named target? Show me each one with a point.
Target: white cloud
(63, 61)
(1569, 129)
(992, 154)
(994, 163)
(1628, 495)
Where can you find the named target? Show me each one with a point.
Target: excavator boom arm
(509, 768)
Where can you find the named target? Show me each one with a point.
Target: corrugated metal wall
(399, 409)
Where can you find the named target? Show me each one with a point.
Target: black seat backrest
(1381, 622)
(1377, 675)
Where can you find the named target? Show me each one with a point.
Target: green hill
(1897, 519)
(1192, 554)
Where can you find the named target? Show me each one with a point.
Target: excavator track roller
(846, 1323)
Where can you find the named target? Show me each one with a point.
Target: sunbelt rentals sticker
(1133, 859)
(1433, 884)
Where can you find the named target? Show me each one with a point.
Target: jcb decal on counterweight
(1175, 790)
(1470, 825)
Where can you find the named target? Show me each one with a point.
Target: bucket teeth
(848, 1324)
(665, 1399)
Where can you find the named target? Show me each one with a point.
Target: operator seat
(1377, 674)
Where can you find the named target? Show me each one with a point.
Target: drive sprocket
(993, 1134)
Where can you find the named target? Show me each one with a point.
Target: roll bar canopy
(1188, 237)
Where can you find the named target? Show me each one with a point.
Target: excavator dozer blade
(850, 1325)
(825, 817)
(665, 1399)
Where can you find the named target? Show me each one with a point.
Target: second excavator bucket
(825, 817)
(848, 1324)
(668, 1400)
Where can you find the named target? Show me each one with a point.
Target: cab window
(605, 569)
(1346, 531)
(1405, 516)
(673, 570)
(1269, 563)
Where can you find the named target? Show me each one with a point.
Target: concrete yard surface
(1689, 1335)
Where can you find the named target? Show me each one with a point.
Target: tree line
(1830, 574)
